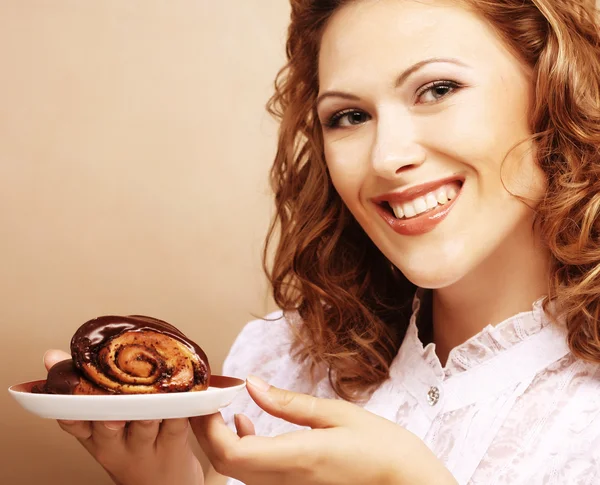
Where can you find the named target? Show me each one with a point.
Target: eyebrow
(401, 79)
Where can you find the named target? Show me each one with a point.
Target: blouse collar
(485, 345)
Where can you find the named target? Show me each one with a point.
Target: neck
(507, 283)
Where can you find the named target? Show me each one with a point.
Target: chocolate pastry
(129, 355)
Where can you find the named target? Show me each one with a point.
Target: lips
(416, 206)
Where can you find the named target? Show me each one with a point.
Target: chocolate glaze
(100, 330)
(62, 378)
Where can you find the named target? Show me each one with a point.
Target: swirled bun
(130, 355)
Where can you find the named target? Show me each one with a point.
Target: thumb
(53, 356)
(301, 409)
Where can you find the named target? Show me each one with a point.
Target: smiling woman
(457, 96)
(437, 265)
(446, 161)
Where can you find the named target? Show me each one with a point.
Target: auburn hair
(354, 305)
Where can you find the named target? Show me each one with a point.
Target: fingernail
(258, 383)
(44, 357)
(113, 426)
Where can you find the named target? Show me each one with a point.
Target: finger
(215, 437)
(82, 430)
(141, 435)
(301, 409)
(237, 457)
(229, 454)
(109, 434)
(172, 430)
(243, 425)
(54, 356)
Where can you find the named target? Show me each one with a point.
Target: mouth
(419, 209)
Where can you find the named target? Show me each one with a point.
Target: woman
(437, 184)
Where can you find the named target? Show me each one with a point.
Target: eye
(346, 118)
(436, 91)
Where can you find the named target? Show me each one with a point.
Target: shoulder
(260, 345)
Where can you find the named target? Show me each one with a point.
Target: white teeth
(398, 212)
(431, 201)
(441, 196)
(409, 210)
(420, 205)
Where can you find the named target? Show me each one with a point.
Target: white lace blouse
(511, 406)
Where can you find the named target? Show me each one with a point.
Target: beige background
(134, 150)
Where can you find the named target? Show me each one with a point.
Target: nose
(396, 147)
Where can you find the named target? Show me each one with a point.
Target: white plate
(129, 407)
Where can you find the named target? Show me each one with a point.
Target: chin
(435, 273)
(433, 281)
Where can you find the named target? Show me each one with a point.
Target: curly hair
(353, 303)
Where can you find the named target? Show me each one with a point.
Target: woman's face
(421, 104)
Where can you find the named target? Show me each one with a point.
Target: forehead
(369, 36)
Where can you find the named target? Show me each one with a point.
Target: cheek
(464, 133)
(347, 171)
(481, 125)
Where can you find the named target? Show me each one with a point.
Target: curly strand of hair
(575, 117)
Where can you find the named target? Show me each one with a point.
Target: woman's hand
(346, 445)
(138, 452)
